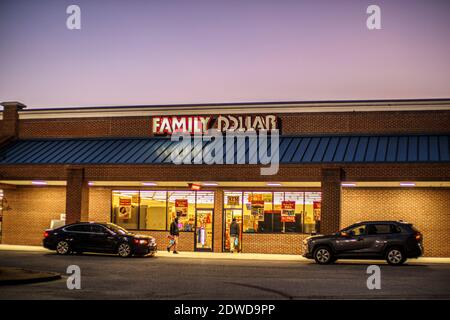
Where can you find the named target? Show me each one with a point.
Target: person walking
(234, 235)
(173, 236)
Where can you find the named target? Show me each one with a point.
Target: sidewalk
(234, 256)
(13, 247)
(226, 255)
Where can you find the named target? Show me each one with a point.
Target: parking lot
(187, 277)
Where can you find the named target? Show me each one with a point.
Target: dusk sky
(208, 51)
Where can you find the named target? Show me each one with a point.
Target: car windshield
(117, 229)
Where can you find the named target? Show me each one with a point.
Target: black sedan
(98, 237)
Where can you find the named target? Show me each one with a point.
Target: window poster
(135, 198)
(181, 207)
(124, 208)
(287, 211)
(316, 210)
(233, 200)
(257, 209)
(265, 197)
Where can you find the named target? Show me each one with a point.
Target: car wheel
(62, 247)
(395, 256)
(323, 255)
(124, 250)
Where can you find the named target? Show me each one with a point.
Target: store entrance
(204, 229)
(231, 214)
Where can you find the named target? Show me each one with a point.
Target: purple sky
(201, 51)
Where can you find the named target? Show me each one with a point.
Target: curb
(44, 277)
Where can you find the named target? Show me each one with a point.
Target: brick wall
(86, 127)
(331, 200)
(218, 221)
(367, 122)
(32, 209)
(427, 208)
(100, 204)
(273, 243)
(9, 125)
(367, 172)
(300, 123)
(77, 196)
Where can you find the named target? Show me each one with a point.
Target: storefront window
(294, 201)
(312, 212)
(181, 204)
(126, 208)
(258, 210)
(274, 212)
(156, 209)
(205, 200)
(233, 200)
(153, 207)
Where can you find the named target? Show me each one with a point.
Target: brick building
(340, 162)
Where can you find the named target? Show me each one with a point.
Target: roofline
(256, 103)
(239, 108)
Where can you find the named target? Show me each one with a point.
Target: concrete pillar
(77, 196)
(331, 200)
(10, 122)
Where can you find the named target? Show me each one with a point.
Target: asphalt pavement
(184, 277)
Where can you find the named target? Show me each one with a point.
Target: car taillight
(46, 234)
(418, 236)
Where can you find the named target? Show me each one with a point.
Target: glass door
(229, 215)
(204, 230)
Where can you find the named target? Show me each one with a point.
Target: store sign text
(201, 124)
(187, 124)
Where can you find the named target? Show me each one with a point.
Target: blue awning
(292, 150)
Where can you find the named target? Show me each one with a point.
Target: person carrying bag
(234, 235)
(173, 236)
